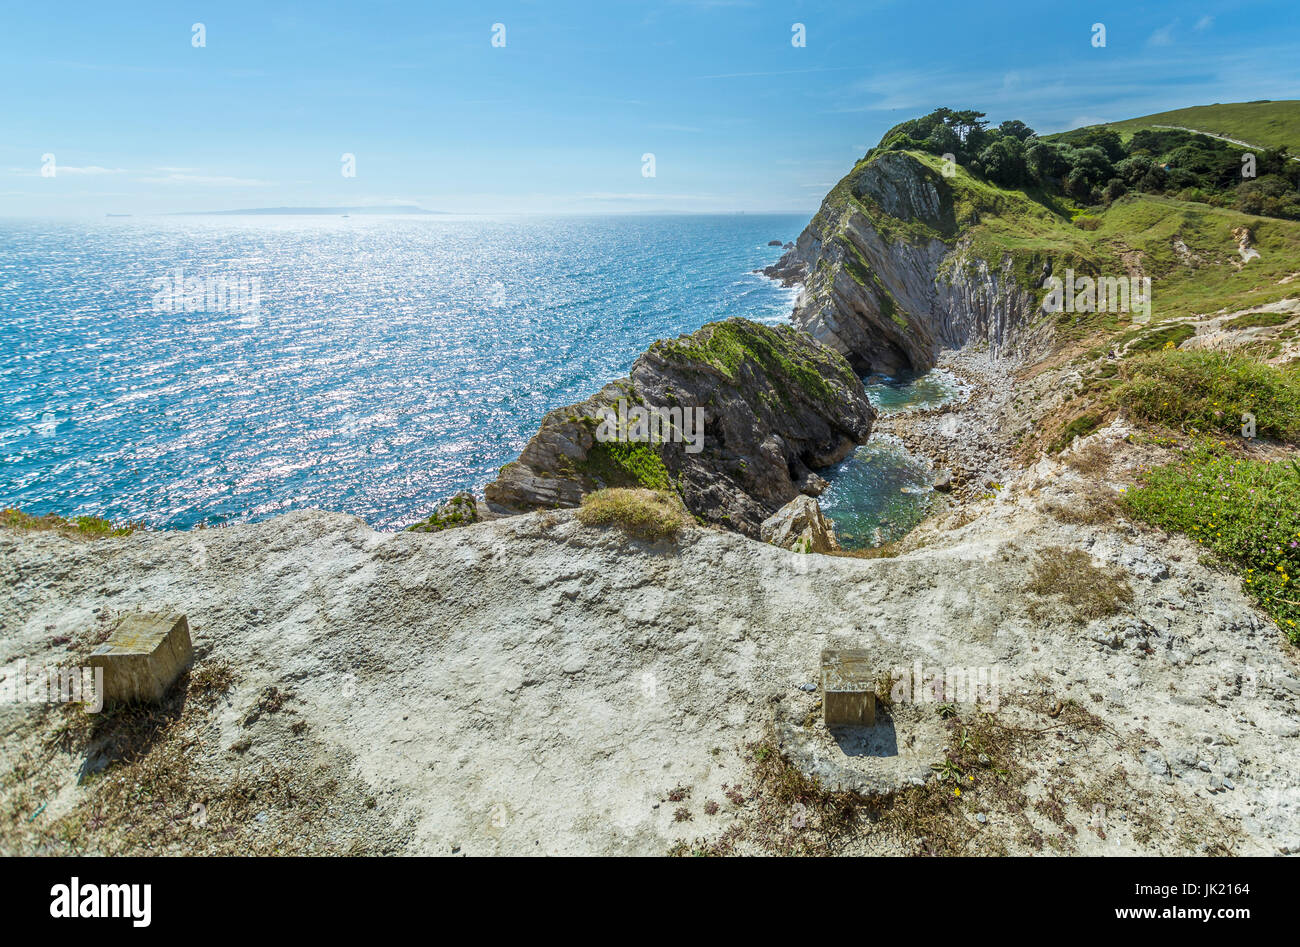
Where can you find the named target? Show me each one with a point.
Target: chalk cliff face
(758, 409)
(891, 275)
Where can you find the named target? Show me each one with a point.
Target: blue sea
(388, 362)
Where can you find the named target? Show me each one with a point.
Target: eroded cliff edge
(775, 405)
(895, 267)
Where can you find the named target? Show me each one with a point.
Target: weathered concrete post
(848, 688)
(143, 657)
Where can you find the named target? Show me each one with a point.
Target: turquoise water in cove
(389, 362)
(931, 390)
(881, 492)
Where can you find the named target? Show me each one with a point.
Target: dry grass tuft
(1091, 506)
(1072, 585)
(1093, 459)
(643, 514)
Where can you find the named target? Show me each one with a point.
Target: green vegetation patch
(1211, 391)
(1201, 280)
(786, 357)
(643, 514)
(1162, 337)
(1258, 320)
(627, 464)
(1246, 511)
(91, 527)
(1271, 124)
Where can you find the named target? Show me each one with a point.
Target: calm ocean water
(389, 362)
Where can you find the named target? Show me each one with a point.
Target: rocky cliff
(896, 267)
(749, 412)
(907, 257)
(532, 685)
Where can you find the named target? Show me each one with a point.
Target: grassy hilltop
(1171, 204)
(1222, 345)
(1265, 124)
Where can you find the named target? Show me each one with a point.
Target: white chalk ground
(533, 686)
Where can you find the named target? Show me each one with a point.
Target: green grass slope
(1103, 240)
(1266, 124)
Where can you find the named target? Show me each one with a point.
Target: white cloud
(1163, 36)
(89, 169)
(1204, 23)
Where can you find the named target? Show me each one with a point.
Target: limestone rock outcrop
(891, 275)
(734, 417)
(800, 526)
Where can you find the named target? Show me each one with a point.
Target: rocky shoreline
(964, 441)
(399, 691)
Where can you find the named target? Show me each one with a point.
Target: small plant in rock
(642, 514)
(459, 510)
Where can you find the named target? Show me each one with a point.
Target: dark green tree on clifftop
(1096, 165)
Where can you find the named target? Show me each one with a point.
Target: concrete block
(143, 657)
(848, 688)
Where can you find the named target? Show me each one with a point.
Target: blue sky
(557, 120)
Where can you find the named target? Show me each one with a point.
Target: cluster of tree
(1094, 165)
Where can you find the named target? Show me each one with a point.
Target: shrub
(1246, 511)
(1210, 391)
(643, 514)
